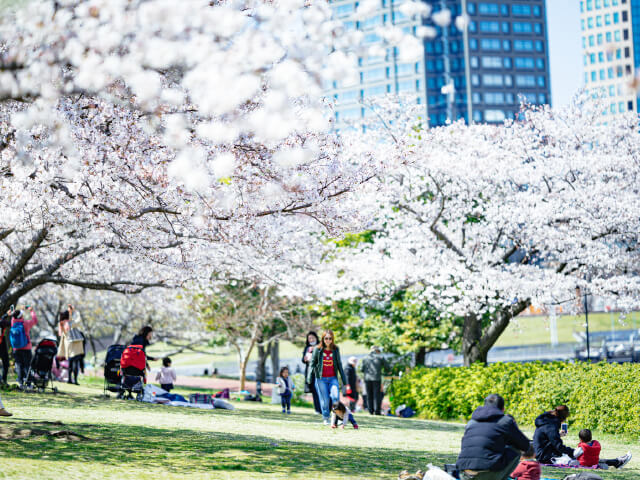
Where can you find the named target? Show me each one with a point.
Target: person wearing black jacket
(143, 338)
(547, 440)
(5, 323)
(307, 352)
(352, 382)
(491, 444)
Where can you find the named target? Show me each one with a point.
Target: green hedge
(603, 397)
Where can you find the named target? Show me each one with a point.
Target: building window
(490, 27)
(537, 12)
(522, 45)
(473, 44)
(488, 9)
(473, 62)
(539, 46)
(525, 63)
(491, 62)
(540, 63)
(599, 21)
(490, 44)
(494, 116)
(492, 80)
(475, 80)
(521, 10)
(525, 81)
(505, 27)
(607, 19)
(541, 82)
(506, 45)
(509, 98)
(495, 98)
(508, 80)
(504, 10)
(476, 98)
(616, 17)
(542, 98)
(471, 8)
(507, 62)
(522, 27)
(477, 116)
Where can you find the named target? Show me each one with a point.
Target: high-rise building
(502, 60)
(611, 48)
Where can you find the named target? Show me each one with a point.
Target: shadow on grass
(188, 451)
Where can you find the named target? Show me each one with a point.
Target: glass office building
(611, 50)
(506, 48)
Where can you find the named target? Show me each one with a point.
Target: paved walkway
(216, 384)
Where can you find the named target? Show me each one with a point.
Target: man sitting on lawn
(492, 443)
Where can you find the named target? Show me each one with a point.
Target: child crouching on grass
(167, 375)
(285, 389)
(529, 468)
(340, 411)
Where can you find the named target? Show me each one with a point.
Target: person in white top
(285, 389)
(167, 375)
(339, 411)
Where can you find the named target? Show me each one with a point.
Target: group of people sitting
(494, 448)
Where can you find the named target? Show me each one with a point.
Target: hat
(375, 348)
(352, 360)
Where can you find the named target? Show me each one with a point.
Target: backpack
(18, 335)
(583, 476)
(133, 356)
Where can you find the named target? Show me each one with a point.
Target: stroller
(112, 378)
(133, 364)
(40, 369)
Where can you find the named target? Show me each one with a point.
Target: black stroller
(40, 369)
(112, 376)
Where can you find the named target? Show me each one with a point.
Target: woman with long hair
(326, 365)
(547, 440)
(310, 386)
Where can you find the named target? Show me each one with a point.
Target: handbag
(75, 335)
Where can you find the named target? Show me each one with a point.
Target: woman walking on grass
(326, 365)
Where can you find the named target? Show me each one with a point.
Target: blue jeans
(328, 391)
(285, 399)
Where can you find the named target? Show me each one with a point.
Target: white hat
(352, 360)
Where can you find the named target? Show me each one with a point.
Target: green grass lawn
(526, 330)
(127, 439)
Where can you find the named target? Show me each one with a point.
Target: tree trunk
(274, 353)
(471, 338)
(477, 342)
(421, 356)
(260, 367)
(244, 362)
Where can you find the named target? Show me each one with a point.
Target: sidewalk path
(216, 384)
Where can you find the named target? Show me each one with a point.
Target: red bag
(133, 356)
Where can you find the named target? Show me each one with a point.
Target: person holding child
(285, 389)
(326, 365)
(166, 376)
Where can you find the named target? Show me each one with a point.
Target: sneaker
(326, 421)
(4, 413)
(623, 460)
(355, 427)
(288, 412)
(283, 410)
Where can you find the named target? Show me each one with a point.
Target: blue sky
(565, 49)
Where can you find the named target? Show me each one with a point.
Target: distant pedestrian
(19, 335)
(372, 366)
(167, 375)
(351, 388)
(310, 386)
(71, 344)
(326, 366)
(5, 324)
(285, 389)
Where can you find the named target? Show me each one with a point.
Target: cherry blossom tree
(145, 143)
(487, 220)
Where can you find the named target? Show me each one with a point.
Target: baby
(340, 411)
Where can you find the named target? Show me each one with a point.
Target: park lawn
(532, 330)
(133, 440)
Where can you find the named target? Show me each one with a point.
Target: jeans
(285, 399)
(500, 475)
(314, 394)
(374, 396)
(328, 391)
(23, 362)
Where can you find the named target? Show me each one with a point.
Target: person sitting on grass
(167, 375)
(588, 453)
(547, 439)
(529, 468)
(339, 411)
(492, 443)
(285, 389)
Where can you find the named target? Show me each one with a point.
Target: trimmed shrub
(604, 397)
